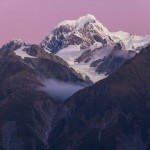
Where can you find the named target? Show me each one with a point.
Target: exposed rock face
(25, 111)
(114, 61)
(25, 117)
(113, 114)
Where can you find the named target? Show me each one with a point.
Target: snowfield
(23, 54)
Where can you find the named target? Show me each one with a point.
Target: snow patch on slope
(23, 54)
(86, 71)
(71, 53)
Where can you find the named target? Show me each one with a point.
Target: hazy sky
(32, 20)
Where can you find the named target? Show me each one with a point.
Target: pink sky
(32, 20)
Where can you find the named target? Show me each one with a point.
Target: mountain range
(81, 88)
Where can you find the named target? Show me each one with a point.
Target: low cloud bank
(60, 90)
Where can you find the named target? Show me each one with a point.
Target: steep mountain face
(25, 109)
(86, 44)
(85, 31)
(113, 114)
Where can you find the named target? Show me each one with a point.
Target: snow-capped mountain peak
(79, 22)
(85, 32)
(85, 20)
(83, 42)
